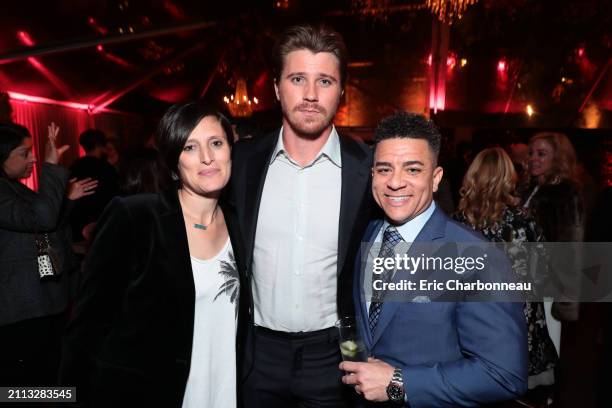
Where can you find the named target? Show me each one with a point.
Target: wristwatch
(395, 389)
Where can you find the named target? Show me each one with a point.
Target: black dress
(517, 226)
(558, 210)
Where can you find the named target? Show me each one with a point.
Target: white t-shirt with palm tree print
(212, 377)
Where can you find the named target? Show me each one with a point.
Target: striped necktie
(391, 238)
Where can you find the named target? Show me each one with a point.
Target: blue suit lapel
(432, 230)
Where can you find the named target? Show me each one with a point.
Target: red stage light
(119, 61)
(502, 65)
(451, 61)
(40, 99)
(25, 38)
(94, 24)
(437, 102)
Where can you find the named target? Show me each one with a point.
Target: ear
(276, 89)
(437, 177)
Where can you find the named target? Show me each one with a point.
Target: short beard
(306, 132)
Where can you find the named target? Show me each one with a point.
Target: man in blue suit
(428, 354)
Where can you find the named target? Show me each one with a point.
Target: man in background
(93, 165)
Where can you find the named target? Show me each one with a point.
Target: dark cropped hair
(91, 138)
(316, 39)
(143, 171)
(410, 126)
(11, 137)
(177, 124)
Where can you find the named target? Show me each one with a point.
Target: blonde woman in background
(555, 194)
(488, 205)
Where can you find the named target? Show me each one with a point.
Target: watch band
(398, 377)
(395, 389)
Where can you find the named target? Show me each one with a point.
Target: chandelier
(239, 104)
(371, 8)
(448, 10)
(382, 9)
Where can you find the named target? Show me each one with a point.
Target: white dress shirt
(295, 255)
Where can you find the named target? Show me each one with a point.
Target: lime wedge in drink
(348, 348)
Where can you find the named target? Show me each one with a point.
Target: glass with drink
(352, 346)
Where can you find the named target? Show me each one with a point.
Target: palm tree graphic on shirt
(231, 284)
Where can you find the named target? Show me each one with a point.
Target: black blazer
(249, 169)
(129, 342)
(23, 214)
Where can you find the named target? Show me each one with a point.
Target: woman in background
(554, 196)
(555, 200)
(488, 205)
(156, 319)
(35, 257)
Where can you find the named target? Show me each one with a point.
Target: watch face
(395, 392)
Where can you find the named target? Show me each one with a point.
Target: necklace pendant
(200, 226)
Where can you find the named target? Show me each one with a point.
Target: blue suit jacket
(451, 353)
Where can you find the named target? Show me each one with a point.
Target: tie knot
(391, 236)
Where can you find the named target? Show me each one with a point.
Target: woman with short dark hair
(156, 319)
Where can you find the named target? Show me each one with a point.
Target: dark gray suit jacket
(23, 214)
